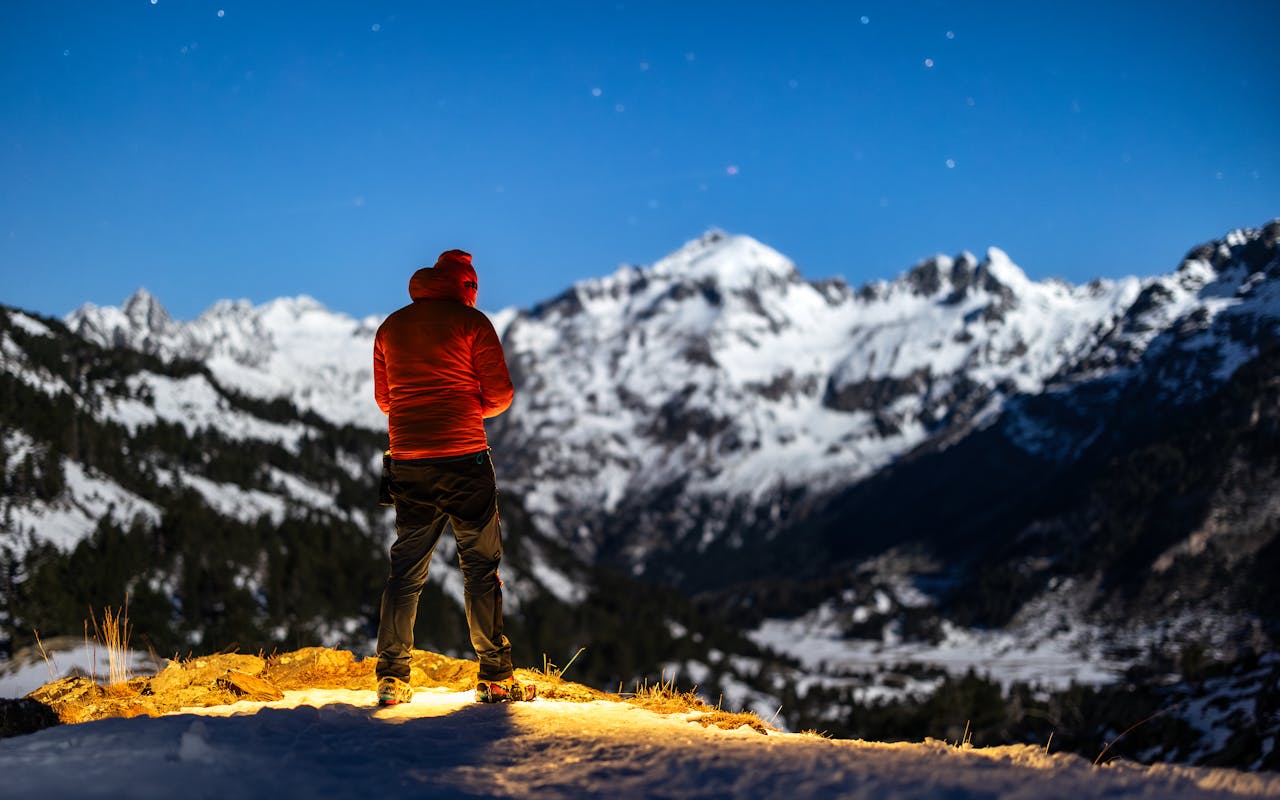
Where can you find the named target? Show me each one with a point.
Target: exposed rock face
(320, 668)
(23, 716)
(874, 395)
(203, 672)
(247, 687)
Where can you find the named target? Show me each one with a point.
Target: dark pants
(428, 494)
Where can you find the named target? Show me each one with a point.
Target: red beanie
(455, 256)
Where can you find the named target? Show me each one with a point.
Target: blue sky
(230, 149)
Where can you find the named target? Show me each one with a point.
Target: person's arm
(490, 365)
(380, 391)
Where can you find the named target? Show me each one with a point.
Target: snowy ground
(335, 743)
(1054, 661)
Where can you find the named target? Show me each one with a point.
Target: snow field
(72, 516)
(194, 403)
(29, 324)
(14, 360)
(1053, 662)
(332, 743)
(1046, 645)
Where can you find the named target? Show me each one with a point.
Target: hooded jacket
(438, 366)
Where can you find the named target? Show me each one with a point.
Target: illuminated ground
(333, 743)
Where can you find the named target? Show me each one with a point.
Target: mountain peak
(140, 297)
(730, 260)
(999, 267)
(1255, 248)
(145, 312)
(996, 274)
(299, 304)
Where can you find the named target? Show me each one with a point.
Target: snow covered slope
(79, 392)
(714, 396)
(290, 348)
(336, 743)
(721, 370)
(332, 743)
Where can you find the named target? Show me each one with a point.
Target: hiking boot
(393, 691)
(506, 691)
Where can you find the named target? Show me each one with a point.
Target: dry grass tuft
(113, 635)
(552, 672)
(728, 721)
(48, 662)
(664, 698)
(552, 685)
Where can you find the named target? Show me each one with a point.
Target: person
(438, 373)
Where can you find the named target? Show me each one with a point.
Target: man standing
(438, 373)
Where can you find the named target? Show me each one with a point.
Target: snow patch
(194, 403)
(29, 324)
(1045, 645)
(230, 500)
(321, 743)
(71, 517)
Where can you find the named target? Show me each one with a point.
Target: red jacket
(438, 367)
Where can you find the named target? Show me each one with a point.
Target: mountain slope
(291, 348)
(706, 402)
(226, 518)
(129, 474)
(702, 399)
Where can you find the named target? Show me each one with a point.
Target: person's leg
(470, 498)
(479, 552)
(418, 529)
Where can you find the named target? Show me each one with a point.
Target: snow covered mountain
(717, 393)
(716, 396)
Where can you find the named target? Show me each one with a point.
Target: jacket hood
(452, 278)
